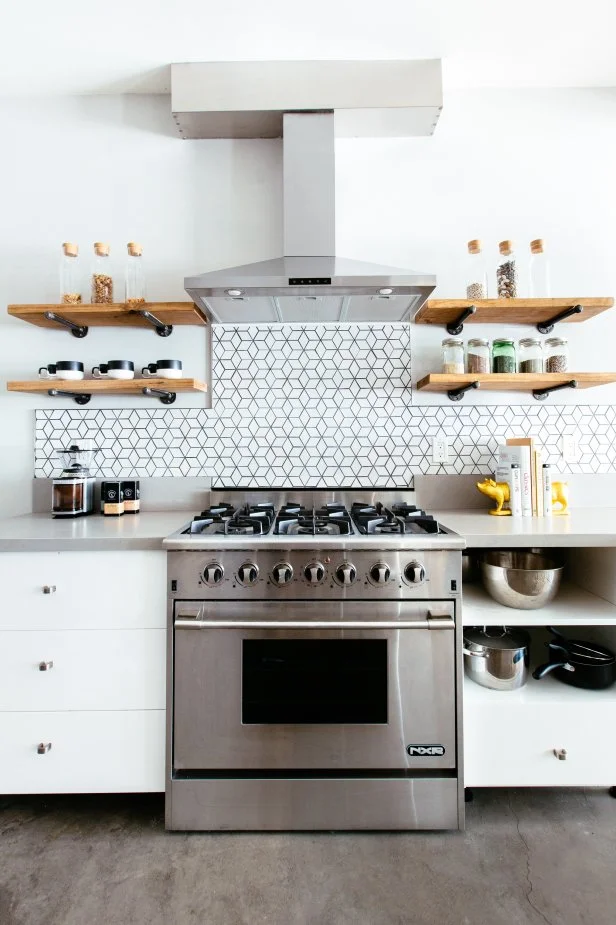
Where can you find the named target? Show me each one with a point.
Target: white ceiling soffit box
(308, 103)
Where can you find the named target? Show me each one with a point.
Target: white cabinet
(80, 590)
(104, 752)
(512, 738)
(82, 668)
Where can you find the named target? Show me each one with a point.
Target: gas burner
(330, 520)
(375, 518)
(224, 519)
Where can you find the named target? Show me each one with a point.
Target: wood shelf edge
(106, 386)
(442, 382)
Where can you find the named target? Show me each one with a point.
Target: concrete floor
(526, 857)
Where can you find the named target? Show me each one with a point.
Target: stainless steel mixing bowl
(523, 580)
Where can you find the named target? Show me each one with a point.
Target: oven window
(314, 681)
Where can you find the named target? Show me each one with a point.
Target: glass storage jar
(476, 276)
(539, 271)
(506, 272)
(503, 356)
(556, 355)
(102, 280)
(135, 278)
(530, 355)
(453, 355)
(70, 275)
(478, 356)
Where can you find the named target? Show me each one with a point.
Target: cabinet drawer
(84, 670)
(90, 752)
(97, 590)
(512, 745)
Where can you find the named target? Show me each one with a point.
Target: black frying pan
(581, 664)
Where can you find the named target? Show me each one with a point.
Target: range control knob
(282, 574)
(212, 574)
(415, 573)
(346, 573)
(247, 573)
(314, 573)
(380, 573)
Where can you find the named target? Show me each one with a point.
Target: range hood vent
(309, 103)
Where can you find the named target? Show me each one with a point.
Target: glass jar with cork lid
(476, 276)
(102, 279)
(70, 275)
(135, 277)
(506, 272)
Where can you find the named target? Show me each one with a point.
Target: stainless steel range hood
(310, 283)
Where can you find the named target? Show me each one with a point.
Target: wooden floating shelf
(84, 388)
(116, 315)
(510, 382)
(509, 311)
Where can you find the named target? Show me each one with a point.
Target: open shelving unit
(78, 319)
(540, 384)
(82, 390)
(572, 606)
(452, 314)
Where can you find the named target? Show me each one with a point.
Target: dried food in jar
(453, 356)
(503, 356)
(478, 356)
(70, 275)
(530, 355)
(557, 359)
(476, 277)
(102, 288)
(71, 298)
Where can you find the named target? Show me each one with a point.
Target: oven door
(307, 685)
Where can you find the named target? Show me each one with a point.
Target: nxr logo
(425, 751)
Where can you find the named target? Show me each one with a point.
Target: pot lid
(496, 637)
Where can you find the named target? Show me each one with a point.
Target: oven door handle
(432, 623)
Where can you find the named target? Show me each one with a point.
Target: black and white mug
(163, 369)
(115, 369)
(63, 369)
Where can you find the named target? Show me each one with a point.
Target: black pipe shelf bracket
(167, 398)
(541, 394)
(77, 330)
(456, 327)
(456, 394)
(162, 329)
(81, 398)
(546, 327)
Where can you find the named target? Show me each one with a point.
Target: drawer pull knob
(49, 589)
(45, 666)
(43, 747)
(560, 753)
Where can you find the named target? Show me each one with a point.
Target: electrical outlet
(440, 450)
(569, 447)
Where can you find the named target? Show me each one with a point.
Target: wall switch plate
(569, 447)
(440, 450)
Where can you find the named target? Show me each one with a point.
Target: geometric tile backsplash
(322, 405)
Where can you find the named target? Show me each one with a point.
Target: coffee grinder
(73, 490)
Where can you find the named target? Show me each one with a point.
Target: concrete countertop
(43, 533)
(581, 527)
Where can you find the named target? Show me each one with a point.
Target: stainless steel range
(314, 665)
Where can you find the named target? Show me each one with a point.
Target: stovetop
(341, 520)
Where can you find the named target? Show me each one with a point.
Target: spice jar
(102, 280)
(556, 355)
(503, 356)
(538, 271)
(478, 356)
(135, 278)
(476, 276)
(453, 355)
(530, 355)
(70, 275)
(506, 272)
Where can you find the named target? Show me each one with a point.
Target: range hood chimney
(308, 103)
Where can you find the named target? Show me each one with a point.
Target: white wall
(519, 164)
